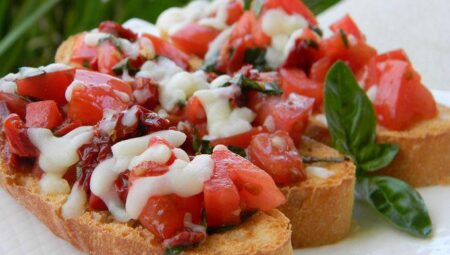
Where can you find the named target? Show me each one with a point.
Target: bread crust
(96, 233)
(320, 210)
(424, 156)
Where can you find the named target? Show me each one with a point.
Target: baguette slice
(320, 209)
(424, 156)
(97, 233)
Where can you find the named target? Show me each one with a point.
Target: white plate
(22, 233)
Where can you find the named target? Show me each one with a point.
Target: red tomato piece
(295, 81)
(43, 114)
(47, 86)
(194, 39)
(14, 103)
(401, 98)
(222, 200)
(256, 188)
(108, 56)
(240, 140)
(17, 137)
(289, 113)
(278, 156)
(347, 25)
(164, 215)
(194, 111)
(146, 92)
(65, 127)
(96, 203)
(292, 7)
(82, 54)
(117, 30)
(306, 51)
(96, 93)
(235, 10)
(165, 49)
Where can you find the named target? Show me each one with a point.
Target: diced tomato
(278, 156)
(194, 111)
(164, 215)
(146, 92)
(240, 140)
(235, 10)
(96, 93)
(47, 86)
(65, 127)
(222, 200)
(14, 103)
(43, 114)
(108, 56)
(401, 99)
(320, 69)
(121, 185)
(295, 81)
(17, 137)
(117, 30)
(96, 203)
(82, 54)
(165, 49)
(347, 25)
(194, 39)
(292, 7)
(256, 188)
(289, 113)
(305, 52)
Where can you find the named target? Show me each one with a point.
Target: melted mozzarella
(372, 93)
(172, 19)
(75, 205)
(219, 20)
(222, 121)
(130, 117)
(159, 153)
(8, 83)
(183, 178)
(92, 39)
(105, 174)
(319, 172)
(140, 26)
(53, 184)
(322, 119)
(217, 44)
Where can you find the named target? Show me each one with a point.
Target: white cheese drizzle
(140, 26)
(319, 172)
(75, 205)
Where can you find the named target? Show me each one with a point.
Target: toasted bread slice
(320, 209)
(98, 233)
(424, 155)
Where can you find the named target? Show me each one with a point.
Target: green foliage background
(31, 30)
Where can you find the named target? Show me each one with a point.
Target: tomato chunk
(43, 114)
(305, 52)
(116, 29)
(401, 99)
(95, 93)
(14, 103)
(295, 81)
(240, 140)
(17, 137)
(292, 7)
(256, 188)
(347, 25)
(235, 10)
(167, 50)
(278, 156)
(47, 86)
(194, 39)
(82, 54)
(108, 56)
(194, 111)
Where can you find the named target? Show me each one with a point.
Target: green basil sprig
(246, 84)
(352, 125)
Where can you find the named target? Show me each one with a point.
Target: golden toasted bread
(424, 155)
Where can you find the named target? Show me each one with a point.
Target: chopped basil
(124, 64)
(174, 250)
(344, 38)
(352, 125)
(257, 58)
(246, 84)
(257, 6)
(317, 30)
(247, 4)
(86, 64)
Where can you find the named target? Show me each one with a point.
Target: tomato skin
(256, 188)
(194, 39)
(163, 48)
(398, 94)
(82, 53)
(306, 51)
(148, 88)
(240, 140)
(295, 81)
(194, 111)
(278, 156)
(65, 127)
(96, 203)
(47, 86)
(116, 29)
(235, 10)
(347, 25)
(14, 103)
(17, 137)
(108, 56)
(292, 7)
(98, 92)
(43, 114)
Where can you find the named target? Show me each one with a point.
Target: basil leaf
(398, 202)
(174, 250)
(123, 65)
(376, 156)
(257, 6)
(238, 150)
(257, 58)
(269, 88)
(247, 4)
(350, 114)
